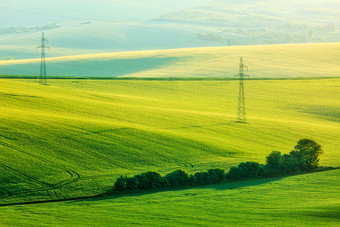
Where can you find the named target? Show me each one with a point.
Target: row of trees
(304, 157)
(178, 178)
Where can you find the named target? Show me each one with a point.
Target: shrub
(178, 178)
(245, 170)
(274, 162)
(154, 179)
(216, 175)
(143, 182)
(132, 183)
(300, 163)
(202, 178)
(149, 180)
(120, 184)
(165, 182)
(289, 163)
(192, 180)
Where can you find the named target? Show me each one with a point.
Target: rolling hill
(290, 60)
(150, 86)
(75, 137)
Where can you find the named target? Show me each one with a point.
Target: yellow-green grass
(304, 200)
(75, 137)
(289, 60)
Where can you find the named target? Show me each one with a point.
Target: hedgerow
(305, 156)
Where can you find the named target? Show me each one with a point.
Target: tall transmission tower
(43, 46)
(241, 110)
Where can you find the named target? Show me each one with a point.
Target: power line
(241, 110)
(43, 46)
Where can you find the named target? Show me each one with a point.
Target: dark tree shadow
(230, 185)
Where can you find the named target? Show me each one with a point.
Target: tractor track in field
(98, 156)
(89, 133)
(74, 176)
(4, 193)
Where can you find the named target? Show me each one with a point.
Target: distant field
(291, 60)
(75, 137)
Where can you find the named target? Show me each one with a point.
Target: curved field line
(4, 193)
(100, 157)
(74, 176)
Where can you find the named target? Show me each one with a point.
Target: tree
(201, 178)
(132, 183)
(149, 180)
(309, 151)
(178, 178)
(154, 179)
(120, 184)
(245, 170)
(290, 163)
(216, 175)
(274, 162)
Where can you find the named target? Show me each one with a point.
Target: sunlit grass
(96, 130)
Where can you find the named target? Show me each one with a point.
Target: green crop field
(75, 137)
(305, 200)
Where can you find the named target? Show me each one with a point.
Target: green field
(73, 138)
(71, 126)
(305, 200)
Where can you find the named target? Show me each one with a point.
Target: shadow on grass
(93, 67)
(226, 185)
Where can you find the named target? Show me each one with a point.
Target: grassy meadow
(75, 137)
(304, 200)
(288, 60)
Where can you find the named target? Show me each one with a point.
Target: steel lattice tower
(43, 46)
(241, 110)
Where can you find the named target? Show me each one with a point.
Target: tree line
(304, 157)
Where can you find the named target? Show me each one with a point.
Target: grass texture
(75, 137)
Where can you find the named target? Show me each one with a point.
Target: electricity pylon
(43, 46)
(241, 110)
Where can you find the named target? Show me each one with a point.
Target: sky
(40, 12)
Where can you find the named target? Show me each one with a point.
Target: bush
(120, 184)
(149, 180)
(192, 180)
(165, 183)
(216, 175)
(132, 183)
(289, 163)
(246, 170)
(202, 178)
(178, 178)
(154, 179)
(274, 162)
(143, 182)
(300, 163)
